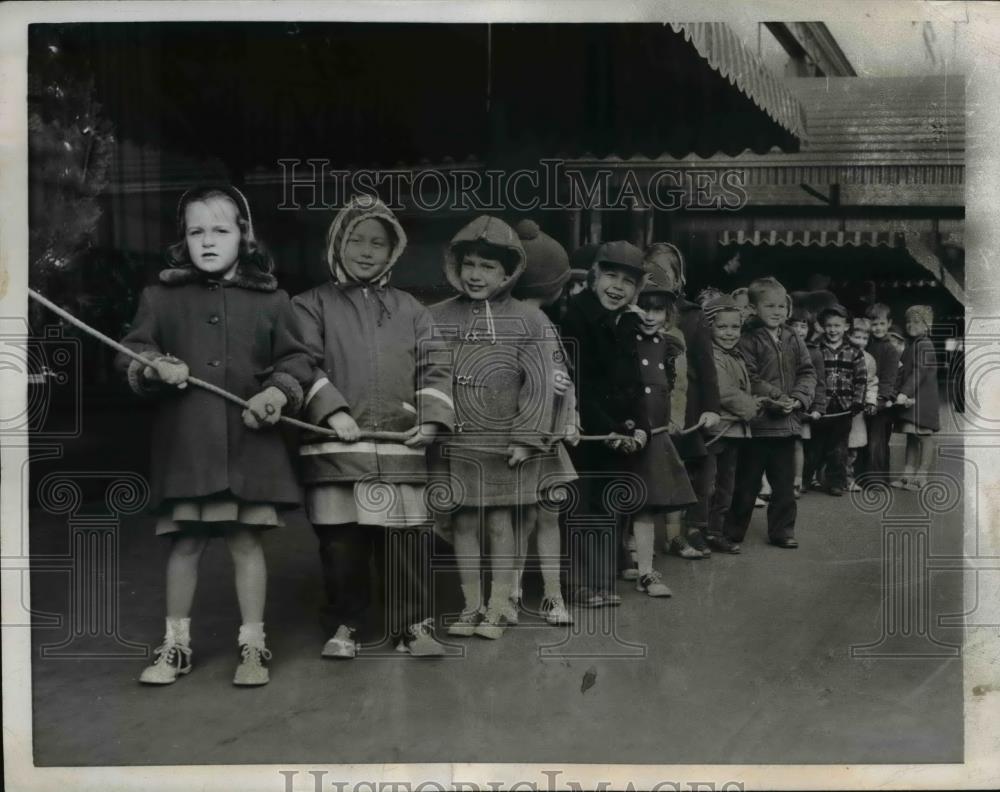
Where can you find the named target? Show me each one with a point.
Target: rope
(397, 437)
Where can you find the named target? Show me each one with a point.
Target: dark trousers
(401, 558)
(874, 458)
(829, 449)
(594, 533)
(724, 463)
(701, 474)
(757, 456)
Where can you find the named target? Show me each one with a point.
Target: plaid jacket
(846, 376)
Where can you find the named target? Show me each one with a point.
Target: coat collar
(255, 281)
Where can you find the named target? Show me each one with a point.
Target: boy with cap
(600, 335)
(846, 379)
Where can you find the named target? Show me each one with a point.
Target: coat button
(215, 363)
(646, 362)
(656, 340)
(213, 319)
(648, 389)
(638, 338)
(660, 366)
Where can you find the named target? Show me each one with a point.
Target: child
(858, 437)
(780, 370)
(738, 406)
(918, 396)
(801, 323)
(846, 380)
(601, 336)
(503, 410)
(218, 309)
(702, 402)
(741, 297)
(374, 366)
(658, 465)
(875, 458)
(541, 284)
(898, 340)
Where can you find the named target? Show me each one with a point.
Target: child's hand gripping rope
(342, 425)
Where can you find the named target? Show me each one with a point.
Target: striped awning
(725, 52)
(817, 238)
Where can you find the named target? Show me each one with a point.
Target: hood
(493, 231)
(360, 208)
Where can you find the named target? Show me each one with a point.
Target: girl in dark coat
(658, 465)
(702, 400)
(215, 470)
(918, 396)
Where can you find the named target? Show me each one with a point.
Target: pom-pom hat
(547, 268)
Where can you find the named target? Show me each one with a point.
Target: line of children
(484, 382)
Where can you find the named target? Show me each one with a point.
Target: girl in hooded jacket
(503, 411)
(375, 366)
(216, 313)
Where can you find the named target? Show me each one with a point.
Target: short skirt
(908, 427)
(213, 514)
(368, 502)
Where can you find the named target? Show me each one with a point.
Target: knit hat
(717, 305)
(666, 249)
(922, 313)
(547, 268)
(583, 258)
(621, 254)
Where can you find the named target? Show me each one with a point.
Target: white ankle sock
(179, 631)
(473, 597)
(251, 633)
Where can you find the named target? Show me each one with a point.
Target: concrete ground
(749, 662)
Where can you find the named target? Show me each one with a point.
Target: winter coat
(737, 406)
(703, 384)
(778, 368)
(677, 354)
(502, 383)
(871, 383)
(237, 334)
(846, 375)
(602, 349)
(918, 381)
(372, 353)
(886, 368)
(658, 465)
(819, 398)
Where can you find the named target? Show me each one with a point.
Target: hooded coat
(502, 382)
(237, 334)
(372, 353)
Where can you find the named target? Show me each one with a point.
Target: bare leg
(467, 555)
(912, 458)
(251, 572)
(927, 453)
(182, 574)
(642, 525)
(547, 522)
(800, 461)
(501, 531)
(527, 520)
